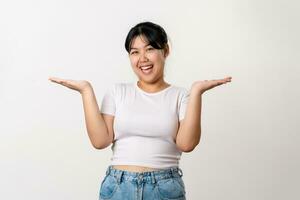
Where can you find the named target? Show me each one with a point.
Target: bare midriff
(134, 168)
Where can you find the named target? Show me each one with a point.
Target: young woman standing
(149, 122)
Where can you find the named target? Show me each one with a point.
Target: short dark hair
(154, 33)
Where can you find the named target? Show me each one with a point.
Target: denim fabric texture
(165, 184)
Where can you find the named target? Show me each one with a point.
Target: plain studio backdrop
(249, 147)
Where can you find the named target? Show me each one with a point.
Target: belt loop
(172, 172)
(108, 170)
(180, 172)
(119, 177)
(152, 177)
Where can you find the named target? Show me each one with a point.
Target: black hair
(154, 33)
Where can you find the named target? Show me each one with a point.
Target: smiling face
(146, 61)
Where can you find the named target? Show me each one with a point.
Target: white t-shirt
(145, 124)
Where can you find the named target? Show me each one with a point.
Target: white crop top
(145, 124)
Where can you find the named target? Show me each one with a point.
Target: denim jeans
(165, 184)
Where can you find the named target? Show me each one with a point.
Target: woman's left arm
(189, 132)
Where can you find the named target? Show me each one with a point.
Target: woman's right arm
(95, 124)
(99, 128)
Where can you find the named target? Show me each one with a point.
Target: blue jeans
(165, 184)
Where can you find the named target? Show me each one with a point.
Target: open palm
(205, 85)
(78, 85)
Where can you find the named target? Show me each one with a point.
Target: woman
(149, 122)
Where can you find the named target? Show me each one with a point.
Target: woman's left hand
(201, 86)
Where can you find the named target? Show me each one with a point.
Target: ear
(166, 51)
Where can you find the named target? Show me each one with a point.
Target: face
(146, 61)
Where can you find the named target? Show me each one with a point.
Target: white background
(249, 147)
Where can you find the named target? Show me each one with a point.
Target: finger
(228, 78)
(60, 81)
(225, 80)
(54, 79)
(220, 81)
(57, 80)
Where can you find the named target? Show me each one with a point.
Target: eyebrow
(137, 48)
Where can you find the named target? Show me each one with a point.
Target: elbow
(98, 147)
(101, 145)
(100, 141)
(187, 148)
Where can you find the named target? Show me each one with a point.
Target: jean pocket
(180, 182)
(171, 188)
(108, 187)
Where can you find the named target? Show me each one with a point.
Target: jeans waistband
(153, 176)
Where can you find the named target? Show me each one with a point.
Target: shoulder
(181, 91)
(182, 94)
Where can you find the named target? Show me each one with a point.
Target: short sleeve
(108, 105)
(183, 103)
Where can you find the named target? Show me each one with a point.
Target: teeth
(146, 67)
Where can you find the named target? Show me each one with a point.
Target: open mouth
(147, 69)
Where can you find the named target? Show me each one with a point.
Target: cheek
(133, 61)
(153, 57)
(157, 58)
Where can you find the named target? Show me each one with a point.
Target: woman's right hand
(78, 85)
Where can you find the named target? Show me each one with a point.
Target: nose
(143, 57)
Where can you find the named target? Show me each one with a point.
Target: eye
(150, 48)
(133, 52)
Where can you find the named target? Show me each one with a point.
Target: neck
(152, 87)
